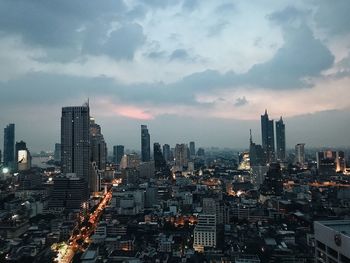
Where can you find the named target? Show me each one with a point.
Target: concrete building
(300, 153)
(205, 232)
(145, 144)
(181, 156)
(332, 240)
(75, 140)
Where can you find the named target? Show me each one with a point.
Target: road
(79, 240)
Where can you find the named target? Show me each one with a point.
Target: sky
(201, 70)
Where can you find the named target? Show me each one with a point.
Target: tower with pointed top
(268, 137)
(280, 140)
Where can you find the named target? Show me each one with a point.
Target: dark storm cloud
(66, 27)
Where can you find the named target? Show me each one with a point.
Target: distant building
(98, 146)
(200, 152)
(340, 162)
(158, 157)
(75, 140)
(326, 163)
(57, 153)
(145, 144)
(257, 154)
(300, 153)
(205, 232)
(192, 149)
(69, 192)
(9, 146)
(332, 241)
(118, 152)
(280, 140)
(268, 138)
(273, 183)
(181, 156)
(130, 161)
(166, 152)
(23, 157)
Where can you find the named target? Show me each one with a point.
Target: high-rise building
(23, 158)
(98, 146)
(300, 153)
(166, 152)
(268, 138)
(280, 140)
(145, 144)
(181, 158)
(158, 157)
(118, 152)
(192, 149)
(75, 140)
(57, 153)
(130, 161)
(9, 145)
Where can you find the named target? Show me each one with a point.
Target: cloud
(241, 102)
(179, 54)
(333, 16)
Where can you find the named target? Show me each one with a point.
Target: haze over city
(190, 70)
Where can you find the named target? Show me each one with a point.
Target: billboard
(22, 156)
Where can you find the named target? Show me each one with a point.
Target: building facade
(75, 140)
(280, 140)
(268, 138)
(145, 144)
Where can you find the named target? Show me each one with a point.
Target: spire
(250, 137)
(265, 111)
(281, 119)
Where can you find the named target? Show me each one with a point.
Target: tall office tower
(340, 161)
(23, 158)
(268, 138)
(145, 144)
(159, 161)
(9, 145)
(181, 158)
(192, 149)
(75, 140)
(57, 153)
(280, 140)
(119, 153)
(98, 146)
(166, 152)
(300, 153)
(205, 232)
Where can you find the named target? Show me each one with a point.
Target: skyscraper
(192, 149)
(159, 161)
(9, 145)
(300, 153)
(268, 138)
(145, 144)
(181, 157)
(280, 140)
(166, 152)
(57, 153)
(75, 140)
(118, 152)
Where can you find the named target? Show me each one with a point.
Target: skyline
(190, 70)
